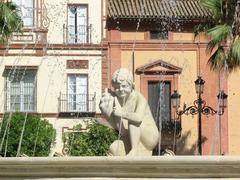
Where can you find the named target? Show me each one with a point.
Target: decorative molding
(154, 167)
(57, 46)
(158, 67)
(77, 64)
(22, 38)
(22, 67)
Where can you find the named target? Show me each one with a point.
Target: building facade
(53, 68)
(155, 40)
(68, 50)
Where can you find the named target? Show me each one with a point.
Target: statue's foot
(133, 152)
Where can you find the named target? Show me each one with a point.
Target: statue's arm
(137, 116)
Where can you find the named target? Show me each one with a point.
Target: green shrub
(38, 135)
(93, 142)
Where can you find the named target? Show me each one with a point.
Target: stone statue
(129, 113)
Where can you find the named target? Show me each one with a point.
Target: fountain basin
(121, 167)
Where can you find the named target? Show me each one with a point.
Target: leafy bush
(93, 142)
(38, 135)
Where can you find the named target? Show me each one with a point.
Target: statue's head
(122, 82)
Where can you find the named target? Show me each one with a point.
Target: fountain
(128, 112)
(61, 63)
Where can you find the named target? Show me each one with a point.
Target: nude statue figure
(129, 113)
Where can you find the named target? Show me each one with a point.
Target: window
(21, 91)
(26, 11)
(161, 35)
(77, 93)
(159, 93)
(77, 24)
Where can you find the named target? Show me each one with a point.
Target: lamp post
(199, 107)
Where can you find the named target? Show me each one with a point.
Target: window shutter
(82, 28)
(71, 24)
(77, 93)
(81, 83)
(28, 91)
(71, 93)
(17, 2)
(19, 5)
(159, 100)
(165, 101)
(27, 12)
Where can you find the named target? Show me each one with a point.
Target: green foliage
(225, 30)
(218, 34)
(38, 135)
(217, 60)
(93, 142)
(214, 7)
(10, 21)
(234, 55)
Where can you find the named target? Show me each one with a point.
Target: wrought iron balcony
(81, 34)
(77, 105)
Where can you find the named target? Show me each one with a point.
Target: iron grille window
(21, 91)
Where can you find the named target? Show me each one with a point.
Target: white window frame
(77, 29)
(21, 92)
(26, 8)
(77, 96)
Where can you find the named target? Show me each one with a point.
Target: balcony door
(77, 24)
(77, 93)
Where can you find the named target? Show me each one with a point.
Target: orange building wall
(234, 113)
(183, 59)
(189, 54)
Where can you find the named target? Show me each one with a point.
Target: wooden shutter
(159, 100)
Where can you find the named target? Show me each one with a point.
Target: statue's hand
(106, 103)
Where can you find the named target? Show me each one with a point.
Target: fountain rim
(121, 167)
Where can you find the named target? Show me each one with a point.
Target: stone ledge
(122, 167)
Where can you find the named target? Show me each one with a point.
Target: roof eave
(182, 19)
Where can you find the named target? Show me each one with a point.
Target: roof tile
(183, 9)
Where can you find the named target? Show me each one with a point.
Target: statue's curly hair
(123, 74)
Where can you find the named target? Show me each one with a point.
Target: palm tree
(224, 44)
(10, 20)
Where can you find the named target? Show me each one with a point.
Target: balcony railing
(81, 34)
(77, 105)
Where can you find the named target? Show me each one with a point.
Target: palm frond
(218, 35)
(234, 55)
(217, 60)
(10, 21)
(214, 6)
